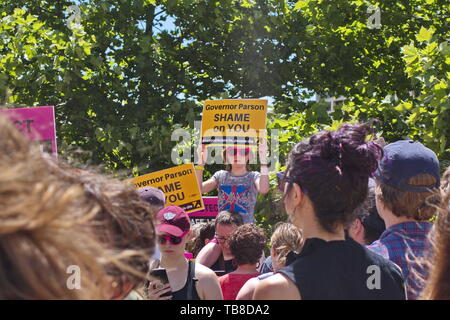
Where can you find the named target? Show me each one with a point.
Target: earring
(292, 217)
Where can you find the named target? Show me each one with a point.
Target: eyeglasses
(288, 179)
(235, 151)
(221, 239)
(172, 239)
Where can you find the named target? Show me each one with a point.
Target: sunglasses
(235, 151)
(286, 179)
(155, 201)
(162, 239)
(283, 178)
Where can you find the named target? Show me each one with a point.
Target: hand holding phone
(159, 286)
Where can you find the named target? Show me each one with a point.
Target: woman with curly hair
(203, 233)
(246, 244)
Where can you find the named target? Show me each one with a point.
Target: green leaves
(424, 34)
(301, 4)
(142, 67)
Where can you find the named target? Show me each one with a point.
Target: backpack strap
(191, 281)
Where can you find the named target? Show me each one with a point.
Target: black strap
(191, 280)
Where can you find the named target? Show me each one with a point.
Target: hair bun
(354, 152)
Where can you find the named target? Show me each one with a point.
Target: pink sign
(38, 124)
(210, 211)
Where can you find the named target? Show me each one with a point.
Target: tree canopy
(121, 80)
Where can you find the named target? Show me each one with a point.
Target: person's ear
(293, 198)
(273, 252)
(381, 207)
(297, 195)
(207, 241)
(357, 227)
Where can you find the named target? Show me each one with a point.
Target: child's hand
(201, 154)
(262, 150)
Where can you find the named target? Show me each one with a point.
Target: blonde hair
(445, 180)
(286, 238)
(123, 223)
(53, 217)
(41, 228)
(437, 285)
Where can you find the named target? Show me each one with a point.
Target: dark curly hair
(333, 168)
(247, 243)
(204, 231)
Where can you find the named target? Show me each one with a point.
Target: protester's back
(405, 180)
(246, 244)
(348, 271)
(325, 180)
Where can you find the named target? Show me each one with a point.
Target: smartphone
(159, 278)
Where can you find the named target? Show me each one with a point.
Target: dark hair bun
(333, 168)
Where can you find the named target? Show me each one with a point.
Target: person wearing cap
(153, 196)
(188, 280)
(406, 179)
(157, 201)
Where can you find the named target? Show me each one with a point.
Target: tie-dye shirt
(237, 193)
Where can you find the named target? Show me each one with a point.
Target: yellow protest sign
(179, 185)
(233, 121)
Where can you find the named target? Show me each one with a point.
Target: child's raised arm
(262, 183)
(210, 184)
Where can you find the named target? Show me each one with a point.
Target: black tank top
(189, 291)
(224, 265)
(343, 270)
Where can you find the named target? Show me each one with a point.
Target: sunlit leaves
(424, 34)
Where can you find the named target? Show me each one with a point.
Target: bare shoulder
(247, 290)
(208, 286)
(202, 271)
(276, 287)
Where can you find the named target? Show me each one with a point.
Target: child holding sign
(237, 187)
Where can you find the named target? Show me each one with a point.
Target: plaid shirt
(402, 242)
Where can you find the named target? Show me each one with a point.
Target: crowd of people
(365, 221)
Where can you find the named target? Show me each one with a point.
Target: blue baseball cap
(405, 159)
